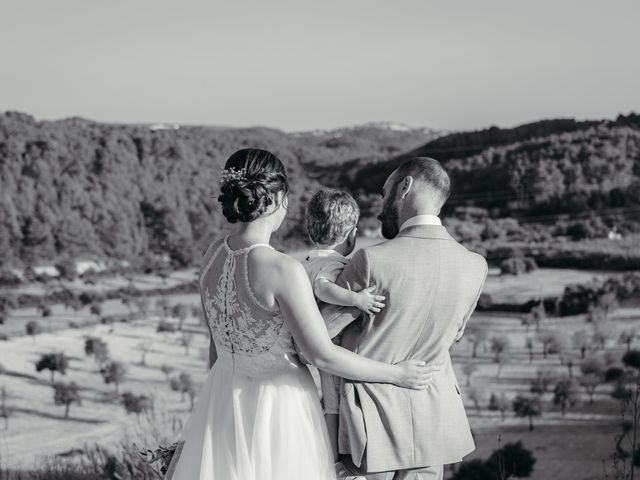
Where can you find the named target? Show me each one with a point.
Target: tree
(144, 347)
(608, 302)
(45, 310)
(54, 362)
(136, 403)
(539, 314)
(96, 309)
(529, 346)
(541, 383)
(181, 312)
(590, 383)
(498, 346)
(127, 300)
(164, 273)
(499, 403)
(162, 304)
(475, 469)
(631, 359)
(66, 394)
(476, 337)
(7, 303)
(476, 397)
(627, 336)
(185, 341)
(550, 342)
(33, 328)
(565, 394)
(142, 305)
(5, 411)
(98, 348)
(582, 342)
(114, 372)
(600, 336)
(468, 369)
(166, 369)
(165, 326)
(527, 407)
(512, 460)
(182, 383)
(568, 359)
(67, 269)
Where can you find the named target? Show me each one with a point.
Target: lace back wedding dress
(258, 414)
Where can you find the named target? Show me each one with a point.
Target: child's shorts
(330, 386)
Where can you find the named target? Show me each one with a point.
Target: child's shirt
(327, 264)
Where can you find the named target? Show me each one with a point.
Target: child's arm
(365, 300)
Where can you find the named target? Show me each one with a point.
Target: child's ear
(352, 234)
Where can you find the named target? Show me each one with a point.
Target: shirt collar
(326, 252)
(421, 220)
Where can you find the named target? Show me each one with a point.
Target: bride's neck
(253, 232)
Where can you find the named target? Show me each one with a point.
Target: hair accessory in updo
(231, 173)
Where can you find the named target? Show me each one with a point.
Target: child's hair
(330, 215)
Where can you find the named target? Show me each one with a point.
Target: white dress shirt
(421, 220)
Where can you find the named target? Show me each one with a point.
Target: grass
(567, 448)
(574, 452)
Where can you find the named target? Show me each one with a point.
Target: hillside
(537, 169)
(76, 187)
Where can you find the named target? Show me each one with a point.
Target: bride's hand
(414, 374)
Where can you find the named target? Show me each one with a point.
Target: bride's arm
(295, 298)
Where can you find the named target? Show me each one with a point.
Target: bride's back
(242, 320)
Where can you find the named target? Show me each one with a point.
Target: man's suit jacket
(432, 285)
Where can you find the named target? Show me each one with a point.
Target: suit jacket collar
(437, 232)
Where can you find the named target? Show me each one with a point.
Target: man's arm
(354, 277)
(473, 306)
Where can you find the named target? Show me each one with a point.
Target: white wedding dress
(258, 414)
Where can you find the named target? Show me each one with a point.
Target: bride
(258, 414)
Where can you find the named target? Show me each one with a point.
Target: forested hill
(76, 187)
(537, 169)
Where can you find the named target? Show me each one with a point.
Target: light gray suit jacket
(432, 285)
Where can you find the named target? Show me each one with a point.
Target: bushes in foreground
(512, 460)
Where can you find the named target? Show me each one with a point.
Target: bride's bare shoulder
(275, 262)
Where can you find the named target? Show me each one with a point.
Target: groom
(431, 284)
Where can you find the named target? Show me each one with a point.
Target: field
(566, 447)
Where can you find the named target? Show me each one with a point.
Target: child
(331, 219)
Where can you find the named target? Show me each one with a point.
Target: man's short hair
(330, 215)
(428, 171)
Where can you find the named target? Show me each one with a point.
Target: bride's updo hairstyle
(249, 184)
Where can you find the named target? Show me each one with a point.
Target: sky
(300, 65)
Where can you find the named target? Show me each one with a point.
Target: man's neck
(420, 219)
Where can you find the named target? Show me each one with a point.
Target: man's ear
(352, 234)
(405, 186)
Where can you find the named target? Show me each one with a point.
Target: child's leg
(330, 398)
(332, 426)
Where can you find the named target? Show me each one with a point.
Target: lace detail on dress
(253, 298)
(235, 327)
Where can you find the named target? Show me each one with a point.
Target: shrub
(66, 394)
(55, 362)
(136, 403)
(165, 326)
(527, 407)
(512, 460)
(632, 359)
(33, 328)
(114, 372)
(475, 469)
(9, 279)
